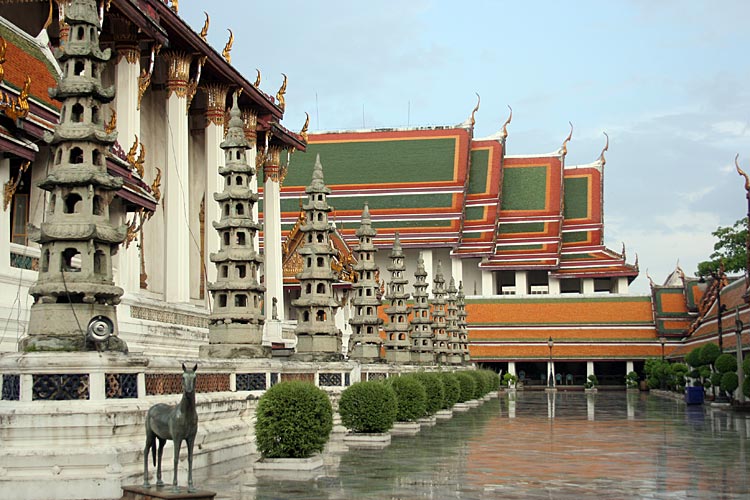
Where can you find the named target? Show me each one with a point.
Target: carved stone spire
(451, 325)
(463, 325)
(236, 323)
(318, 338)
(442, 341)
(75, 291)
(397, 342)
(365, 323)
(420, 327)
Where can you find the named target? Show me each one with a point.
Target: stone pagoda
(365, 323)
(75, 295)
(318, 338)
(420, 327)
(397, 342)
(455, 356)
(442, 341)
(463, 325)
(236, 322)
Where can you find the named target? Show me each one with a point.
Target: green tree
(729, 248)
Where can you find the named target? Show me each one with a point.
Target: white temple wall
(472, 276)
(196, 194)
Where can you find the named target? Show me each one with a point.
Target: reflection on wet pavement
(533, 445)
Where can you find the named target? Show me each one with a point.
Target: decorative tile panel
(163, 383)
(60, 387)
(303, 377)
(377, 376)
(211, 382)
(121, 385)
(11, 387)
(329, 379)
(251, 381)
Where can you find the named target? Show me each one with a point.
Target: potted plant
(510, 381)
(368, 410)
(631, 381)
(591, 383)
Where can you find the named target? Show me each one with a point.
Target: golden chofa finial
(3, 48)
(175, 6)
(743, 174)
(280, 94)
(228, 47)
(156, 185)
(112, 124)
(130, 157)
(138, 164)
(602, 159)
(48, 22)
(303, 132)
(257, 79)
(564, 147)
(504, 133)
(474, 111)
(206, 23)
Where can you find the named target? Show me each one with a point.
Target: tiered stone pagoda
(236, 322)
(365, 323)
(420, 327)
(463, 325)
(455, 355)
(397, 342)
(75, 291)
(318, 338)
(442, 341)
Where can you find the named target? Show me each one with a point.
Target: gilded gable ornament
(204, 31)
(564, 147)
(504, 133)
(280, 94)
(257, 79)
(228, 47)
(602, 159)
(474, 111)
(12, 184)
(303, 132)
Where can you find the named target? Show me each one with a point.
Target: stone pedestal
(367, 353)
(318, 348)
(406, 428)
(156, 492)
(375, 441)
(444, 414)
(461, 407)
(428, 421)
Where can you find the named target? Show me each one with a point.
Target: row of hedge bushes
(363, 406)
(295, 419)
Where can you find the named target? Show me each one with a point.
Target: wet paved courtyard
(564, 445)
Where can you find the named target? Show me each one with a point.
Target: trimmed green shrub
(631, 380)
(495, 380)
(468, 386)
(709, 353)
(509, 380)
(368, 407)
(452, 389)
(715, 379)
(491, 381)
(433, 386)
(729, 382)
(746, 365)
(726, 363)
(746, 386)
(410, 396)
(479, 383)
(591, 383)
(678, 372)
(293, 420)
(693, 358)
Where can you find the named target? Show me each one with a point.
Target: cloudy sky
(667, 80)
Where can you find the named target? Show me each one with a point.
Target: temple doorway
(570, 372)
(532, 373)
(610, 372)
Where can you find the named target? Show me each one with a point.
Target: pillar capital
(178, 72)
(125, 34)
(216, 100)
(250, 121)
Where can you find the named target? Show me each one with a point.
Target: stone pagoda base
(318, 348)
(397, 356)
(234, 351)
(235, 340)
(366, 353)
(423, 358)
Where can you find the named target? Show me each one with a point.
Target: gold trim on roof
(504, 132)
(9, 189)
(16, 107)
(111, 126)
(280, 94)
(602, 159)
(474, 111)
(257, 79)
(564, 147)
(303, 132)
(742, 173)
(204, 30)
(228, 47)
(3, 49)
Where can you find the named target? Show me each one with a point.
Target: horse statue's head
(188, 378)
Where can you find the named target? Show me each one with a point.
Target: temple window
(66, 264)
(369, 329)
(72, 203)
(76, 156)
(309, 238)
(241, 238)
(96, 157)
(99, 262)
(369, 292)
(241, 271)
(44, 265)
(320, 315)
(309, 262)
(224, 271)
(76, 113)
(240, 300)
(320, 216)
(320, 262)
(320, 238)
(223, 300)
(79, 69)
(538, 282)
(570, 285)
(306, 316)
(94, 70)
(320, 197)
(95, 114)
(79, 33)
(226, 238)
(226, 210)
(603, 285)
(400, 318)
(239, 209)
(238, 180)
(308, 288)
(321, 288)
(229, 181)
(58, 156)
(369, 310)
(401, 336)
(505, 282)
(238, 155)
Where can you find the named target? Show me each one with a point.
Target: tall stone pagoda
(442, 341)
(318, 338)
(236, 322)
(397, 342)
(75, 295)
(455, 356)
(463, 325)
(420, 327)
(365, 323)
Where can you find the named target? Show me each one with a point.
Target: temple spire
(397, 341)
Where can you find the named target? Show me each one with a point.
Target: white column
(428, 267)
(216, 104)
(554, 286)
(177, 235)
(629, 367)
(5, 221)
(550, 372)
(488, 283)
(457, 270)
(588, 285)
(521, 283)
(512, 367)
(589, 368)
(622, 285)
(274, 275)
(128, 127)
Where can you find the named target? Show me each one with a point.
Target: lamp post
(662, 341)
(740, 371)
(551, 378)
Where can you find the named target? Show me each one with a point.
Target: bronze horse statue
(176, 422)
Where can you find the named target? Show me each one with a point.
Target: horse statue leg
(150, 444)
(159, 482)
(190, 441)
(177, 444)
